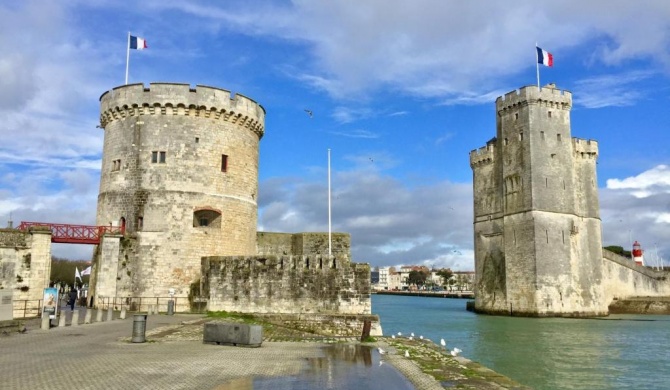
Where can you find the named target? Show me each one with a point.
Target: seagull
(392, 336)
(421, 337)
(309, 112)
(455, 352)
(380, 363)
(443, 343)
(406, 353)
(412, 334)
(399, 334)
(411, 338)
(381, 351)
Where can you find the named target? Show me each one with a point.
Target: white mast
(330, 239)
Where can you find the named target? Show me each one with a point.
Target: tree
(618, 250)
(63, 270)
(445, 274)
(417, 277)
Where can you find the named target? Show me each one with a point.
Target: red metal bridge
(74, 234)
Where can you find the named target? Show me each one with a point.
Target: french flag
(544, 57)
(138, 43)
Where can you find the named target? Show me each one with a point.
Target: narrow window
(516, 116)
(154, 157)
(204, 221)
(547, 233)
(558, 137)
(224, 163)
(140, 223)
(563, 233)
(506, 141)
(549, 114)
(521, 136)
(546, 182)
(162, 158)
(514, 231)
(197, 140)
(542, 134)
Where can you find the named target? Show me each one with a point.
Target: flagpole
(127, 56)
(537, 66)
(330, 239)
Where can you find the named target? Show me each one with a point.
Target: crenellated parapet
(180, 99)
(585, 147)
(548, 96)
(482, 156)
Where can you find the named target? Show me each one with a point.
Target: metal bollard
(98, 315)
(139, 328)
(87, 317)
(110, 314)
(123, 313)
(75, 318)
(170, 310)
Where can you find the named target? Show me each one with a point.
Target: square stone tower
(537, 234)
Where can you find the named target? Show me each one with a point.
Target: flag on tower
(87, 271)
(544, 57)
(138, 43)
(76, 274)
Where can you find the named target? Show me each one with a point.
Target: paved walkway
(95, 356)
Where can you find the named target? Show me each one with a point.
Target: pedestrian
(72, 298)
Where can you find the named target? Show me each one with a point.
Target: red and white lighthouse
(637, 254)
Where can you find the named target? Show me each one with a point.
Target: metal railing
(143, 304)
(33, 308)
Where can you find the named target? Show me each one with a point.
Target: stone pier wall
(286, 284)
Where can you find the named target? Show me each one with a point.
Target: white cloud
(655, 180)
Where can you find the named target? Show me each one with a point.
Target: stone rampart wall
(286, 284)
(25, 267)
(624, 279)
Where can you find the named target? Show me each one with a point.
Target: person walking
(72, 298)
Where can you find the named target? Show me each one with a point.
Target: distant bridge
(75, 234)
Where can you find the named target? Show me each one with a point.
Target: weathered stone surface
(25, 267)
(223, 333)
(537, 229)
(286, 284)
(163, 174)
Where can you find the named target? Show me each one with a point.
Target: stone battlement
(286, 284)
(181, 99)
(585, 146)
(483, 155)
(548, 95)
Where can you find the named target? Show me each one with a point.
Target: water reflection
(616, 352)
(343, 366)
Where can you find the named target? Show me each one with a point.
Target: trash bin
(170, 310)
(139, 328)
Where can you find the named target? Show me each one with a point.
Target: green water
(618, 352)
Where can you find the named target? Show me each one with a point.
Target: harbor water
(615, 352)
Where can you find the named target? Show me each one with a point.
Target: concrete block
(223, 333)
(75, 318)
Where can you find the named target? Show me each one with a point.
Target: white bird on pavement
(381, 351)
(406, 353)
(455, 352)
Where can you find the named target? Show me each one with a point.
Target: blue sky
(400, 91)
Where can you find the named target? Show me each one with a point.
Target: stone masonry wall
(173, 157)
(625, 279)
(25, 267)
(286, 284)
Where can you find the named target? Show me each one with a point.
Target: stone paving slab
(94, 357)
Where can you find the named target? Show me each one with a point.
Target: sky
(400, 90)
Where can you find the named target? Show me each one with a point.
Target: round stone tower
(180, 173)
